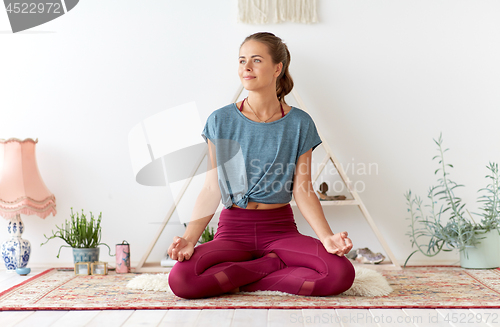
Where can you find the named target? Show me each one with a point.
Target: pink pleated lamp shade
(22, 190)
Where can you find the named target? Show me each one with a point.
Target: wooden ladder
(143, 266)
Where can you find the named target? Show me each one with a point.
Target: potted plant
(478, 242)
(81, 234)
(207, 235)
(486, 252)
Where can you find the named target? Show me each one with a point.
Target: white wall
(380, 78)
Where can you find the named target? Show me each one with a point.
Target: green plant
(491, 202)
(460, 230)
(208, 235)
(79, 232)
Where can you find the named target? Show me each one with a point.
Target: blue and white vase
(16, 251)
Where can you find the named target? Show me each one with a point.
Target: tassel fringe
(277, 11)
(28, 206)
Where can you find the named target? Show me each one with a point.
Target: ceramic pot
(85, 255)
(16, 251)
(484, 255)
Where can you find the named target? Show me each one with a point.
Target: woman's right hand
(180, 249)
(338, 244)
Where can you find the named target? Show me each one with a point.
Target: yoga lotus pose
(259, 155)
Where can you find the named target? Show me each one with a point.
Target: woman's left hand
(338, 244)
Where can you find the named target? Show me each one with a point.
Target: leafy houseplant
(460, 231)
(79, 232)
(491, 201)
(208, 235)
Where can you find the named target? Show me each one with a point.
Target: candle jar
(123, 258)
(82, 268)
(99, 268)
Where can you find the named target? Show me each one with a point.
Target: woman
(259, 155)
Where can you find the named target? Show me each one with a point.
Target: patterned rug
(414, 287)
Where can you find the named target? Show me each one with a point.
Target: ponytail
(284, 83)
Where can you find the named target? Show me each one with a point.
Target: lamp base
(16, 251)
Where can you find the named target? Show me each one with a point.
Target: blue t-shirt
(256, 161)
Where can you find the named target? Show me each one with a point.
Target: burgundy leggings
(238, 256)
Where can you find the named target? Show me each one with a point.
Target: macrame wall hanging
(277, 11)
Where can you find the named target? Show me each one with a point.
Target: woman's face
(256, 68)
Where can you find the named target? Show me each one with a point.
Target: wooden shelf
(150, 267)
(384, 265)
(155, 267)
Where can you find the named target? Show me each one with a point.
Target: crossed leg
(302, 266)
(218, 266)
(310, 270)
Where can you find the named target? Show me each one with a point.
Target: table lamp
(22, 191)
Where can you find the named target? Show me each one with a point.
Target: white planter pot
(484, 255)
